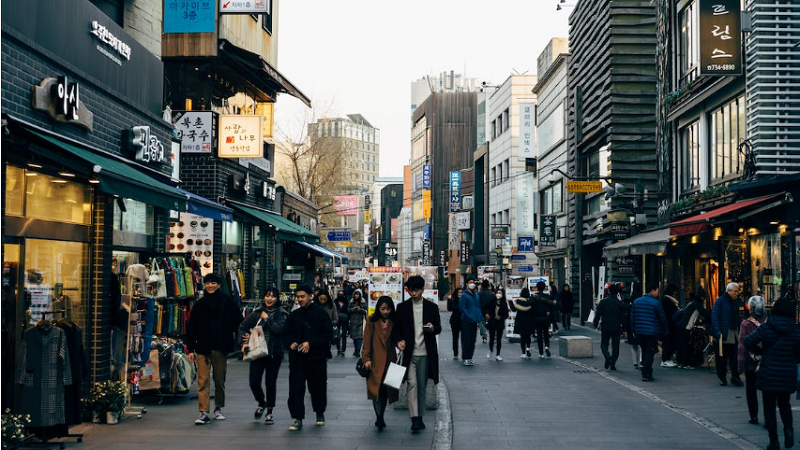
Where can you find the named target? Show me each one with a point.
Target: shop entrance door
(12, 320)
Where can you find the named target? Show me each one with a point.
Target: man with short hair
(611, 311)
(648, 323)
(309, 333)
(471, 317)
(210, 336)
(416, 326)
(725, 321)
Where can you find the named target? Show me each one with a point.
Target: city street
(516, 404)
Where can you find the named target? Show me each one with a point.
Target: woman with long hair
(455, 318)
(358, 312)
(378, 351)
(496, 313)
(273, 323)
(324, 300)
(523, 322)
(344, 323)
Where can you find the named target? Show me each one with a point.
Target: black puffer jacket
(311, 324)
(213, 324)
(541, 307)
(780, 350)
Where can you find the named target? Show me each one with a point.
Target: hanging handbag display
(169, 280)
(188, 280)
(158, 280)
(257, 344)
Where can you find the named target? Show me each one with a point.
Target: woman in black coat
(524, 324)
(777, 377)
(496, 313)
(344, 323)
(567, 304)
(455, 318)
(693, 314)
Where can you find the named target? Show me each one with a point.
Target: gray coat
(357, 317)
(42, 372)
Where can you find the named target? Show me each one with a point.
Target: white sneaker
(667, 364)
(523, 356)
(498, 358)
(489, 355)
(204, 419)
(541, 355)
(218, 414)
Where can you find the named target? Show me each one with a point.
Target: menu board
(385, 281)
(193, 234)
(431, 276)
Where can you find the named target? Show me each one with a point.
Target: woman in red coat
(377, 352)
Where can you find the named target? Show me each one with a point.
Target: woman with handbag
(748, 362)
(377, 353)
(344, 323)
(691, 316)
(455, 318)
(271, 317)
(523, 322)
(358, 312)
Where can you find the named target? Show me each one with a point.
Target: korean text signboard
(195, 130)
(547, 230)
(244, 6)
(345, 205)
(386, 281)
(426, 176)
(197, 16)
(455, 191)
(720, 37)
(498, 231)
(240, 136)
(527, 131)
(339, 236)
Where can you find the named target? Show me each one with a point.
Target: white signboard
(527, 130)
(550, 130)
(526, 202)
(462, 221)
(244, 6)
(454, 237)
(601, 283)
(240, 136)
(385, 281)
(431, 276)
(193, 234)
(195, 130)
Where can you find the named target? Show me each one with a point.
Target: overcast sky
(360, 56)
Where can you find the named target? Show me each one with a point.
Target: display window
(765, 266)
(40, 196)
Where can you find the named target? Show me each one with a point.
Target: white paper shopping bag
(395, 374)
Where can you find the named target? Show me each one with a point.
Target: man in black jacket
(309, 334)
(210, 336)
(611, 310)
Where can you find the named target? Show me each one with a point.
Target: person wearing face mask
(455, 318)
(748, 361)
(271, 317)
(357, 312)
(377, 353)
(496, 313)
(470, 318)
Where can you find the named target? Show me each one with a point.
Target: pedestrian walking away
(486, 296)
(748, 361)
(523, 322)
(455, 318)
(648, 324)
(308, 335)
(324, 300)
(671, 306)
(271, 317)
(471, 317)
(496, 313)
(415, 331)
(357, 312)
(609, 319)
(555, 297)
(636, 350)
(691, 320)
(378, 351)
(210, 336)
(541, 309)
(344, 323)
(725, 321)
(779, 340)
(567, 304)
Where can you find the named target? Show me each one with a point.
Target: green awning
(119, 178)
(285, 228)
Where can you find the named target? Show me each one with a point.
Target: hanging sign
(720, 33)
(240, 136)
(244, 6)
(455, 191)
(547, 231)
(195, 130)
(181, 16)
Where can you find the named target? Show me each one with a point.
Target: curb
(443, 432)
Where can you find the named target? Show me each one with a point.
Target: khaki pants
(417, 380)
(216, 365)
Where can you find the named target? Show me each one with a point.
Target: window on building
(688, 44)
(266, 19)
(727, 131)
(500, 128)
(500, 173)
(551, 199)
(506, 168)
(690, 153)
(494, 176)
(506, 119)
(494, 130)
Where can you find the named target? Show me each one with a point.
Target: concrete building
(441, 82)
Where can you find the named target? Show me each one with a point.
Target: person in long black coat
(611, 311)
(524, 325)
(455, 318)
(777, 377)
(496, 313)
(567, 301)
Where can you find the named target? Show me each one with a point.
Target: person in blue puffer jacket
(777, 375)
(648, 324)
(470, 307)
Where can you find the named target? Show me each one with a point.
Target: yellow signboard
(426, 204)
(584, 186)
(344, 244)
(366, 216)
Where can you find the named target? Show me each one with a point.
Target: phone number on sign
(721, 67)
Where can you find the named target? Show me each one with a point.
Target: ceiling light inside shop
(67, 174)
(35, 166)
(695, 239)
(774, 222)
(93, 181)
(58, 181)
(31, 174)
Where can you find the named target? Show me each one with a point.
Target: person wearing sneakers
(496, 313)
(542, 309)
(210, 336)
(671, 306)
(308, 334)
(272, 319)
(648, 323)
(471, 317)
(523, 321)
(611, 311)
(414, 332)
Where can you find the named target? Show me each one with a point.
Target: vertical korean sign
(525, 203)
(720, 37)
(455, 191)
(547, 231)
(198, 16)
(527, 131)
(195, 130)
(426, 176)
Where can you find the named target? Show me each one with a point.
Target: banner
(527, 130)
(526, 202)
(720, 34)
(240, 136)
(345, 205)
(181, 16)
(547, 231)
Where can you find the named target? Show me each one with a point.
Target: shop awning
(342, 258)
(698, 223)
(260, 72)
(285, 228)
(647, 243)
(207, 208)
(119, 178)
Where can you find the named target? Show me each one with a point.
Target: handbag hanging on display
(158, 279)
(188, 280)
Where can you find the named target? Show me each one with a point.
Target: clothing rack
(131, 325)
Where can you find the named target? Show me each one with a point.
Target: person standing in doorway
(471, 317)
(567, 304)
(309, 333)
(648, 324)
(725, 321)
(415, 331)
(210, 336)
(611, 311)
(496, 313)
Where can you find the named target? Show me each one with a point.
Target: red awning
(699, 222)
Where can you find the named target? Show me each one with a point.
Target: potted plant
(13, 429)
(108, 398)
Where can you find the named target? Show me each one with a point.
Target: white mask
(499, 295)
(471, 286)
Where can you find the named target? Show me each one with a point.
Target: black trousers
(469, 332)
(751, 392)
(543, 335)
(649, 346)
(682, 347)
(525, 341)
(770, 418)
(455, 328)
(496, 334)
(729, 358)
(341, 343)
(565, 320)
(271, 366)
(313, 373)
(668, 345)
(605, 336)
